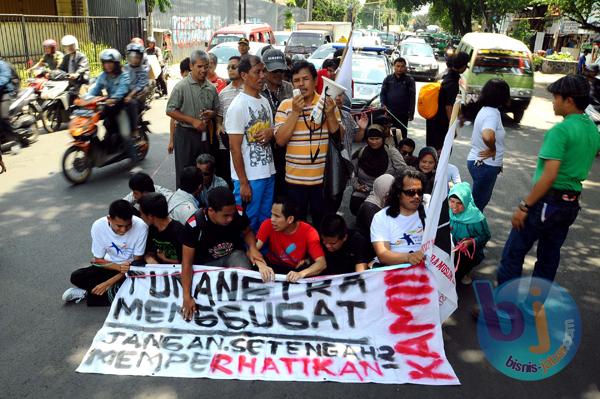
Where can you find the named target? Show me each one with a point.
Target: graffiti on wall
(193, 31)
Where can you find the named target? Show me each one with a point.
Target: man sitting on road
(397, 230)
(290, 244)
(347, 251)
(215, 236)
(183, 203)
(118, 240)
(206, 163)
(141, 183)
(164, 234)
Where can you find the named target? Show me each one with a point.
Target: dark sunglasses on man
(413, 193)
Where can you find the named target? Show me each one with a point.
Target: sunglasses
(234, 67)
(413, 193)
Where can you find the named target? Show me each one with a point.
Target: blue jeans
(259, 208)
(484, 179)
(548, 221)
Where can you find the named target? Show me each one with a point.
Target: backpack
(14, 78)
(427, 104)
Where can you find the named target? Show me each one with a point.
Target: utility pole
(309, 6)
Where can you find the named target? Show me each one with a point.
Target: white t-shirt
(487, 118)
(106, 244)
(248, 115)
(404, 233)
(453, 174)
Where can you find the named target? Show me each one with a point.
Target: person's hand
(264, 135)
(245, 191)
(170, 147)
(298, 104)
(127, 99)
(363, 188)
(487, 153)
(2, 166)
(266, 273)
(160, 254)
(110, 102)
(363, 121)
(100, 289)
(199, 124)
(293, 276)
(124, 267)
(188, 308)
(208, 114)
(329, 107)
(518, 219)
(152, 260)
(73, 76)
(414, 258)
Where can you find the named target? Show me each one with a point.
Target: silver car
(420, 59)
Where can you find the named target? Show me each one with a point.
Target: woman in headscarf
(470, 231)
(372, 161)
(373, 204)
(427, 163)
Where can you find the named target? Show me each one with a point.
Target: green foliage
(585, 12)
(151, 5)
(537, 62)
(289, 21)
(333, 10)
(560, 57)
(522, 32)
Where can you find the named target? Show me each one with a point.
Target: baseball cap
(274, 60)
(243, 40)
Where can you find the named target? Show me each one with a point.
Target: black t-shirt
(364, 217)
(448, 92)
(356, 249)
(168, 241)
(212, 241)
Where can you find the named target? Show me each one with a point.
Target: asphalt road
(44, 236)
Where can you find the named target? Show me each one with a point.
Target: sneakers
(466, 280)
(74, 294)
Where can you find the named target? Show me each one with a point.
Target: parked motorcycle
(22, 121)
(55, 101)
(89, 150)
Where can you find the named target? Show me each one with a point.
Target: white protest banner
(376, 326)
(439, 260)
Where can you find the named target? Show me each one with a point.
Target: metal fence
(21, 36)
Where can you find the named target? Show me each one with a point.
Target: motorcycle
(55, 101)
(22, 121)
(89, 150)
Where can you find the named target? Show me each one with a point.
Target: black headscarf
(374, 162)
(430, 177)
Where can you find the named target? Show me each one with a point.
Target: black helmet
(571, 86)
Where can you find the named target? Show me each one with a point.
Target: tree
(150, 6)
(585, 12)
(333, 10)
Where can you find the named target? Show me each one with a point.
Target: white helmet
(70, 40)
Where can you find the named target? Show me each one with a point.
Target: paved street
(45, 234)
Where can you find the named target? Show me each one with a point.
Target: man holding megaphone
(307, 140)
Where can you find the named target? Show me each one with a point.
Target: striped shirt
(304, 158)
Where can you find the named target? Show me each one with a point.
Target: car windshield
(323, 52)
(513, 65)
(368, 70)
(417, 49)
(282, 37)
(387, 38)
(218, 39)
(305, 39)
(223, 53)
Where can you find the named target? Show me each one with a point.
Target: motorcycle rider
(152, 49)
(52, 57)
(138, 84)
(116, 83)
(76, 64)
(591, 73)
(9, 85)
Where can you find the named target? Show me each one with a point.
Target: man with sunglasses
(226, 96)
(276, 90)
(397, 230)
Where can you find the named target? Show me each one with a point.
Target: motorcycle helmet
(110, 55)
(49, 43)
(135, 48)
(70, 40)
(137, 40)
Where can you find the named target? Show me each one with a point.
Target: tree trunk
(149, 19)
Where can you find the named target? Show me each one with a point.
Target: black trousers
(5, 127)
(89, 277)
(402, 124)
(313, 198)
(188, 144)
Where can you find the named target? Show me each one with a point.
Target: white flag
(344, 75)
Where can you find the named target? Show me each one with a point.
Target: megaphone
(330, 89)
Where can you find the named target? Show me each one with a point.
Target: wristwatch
(523, 206)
